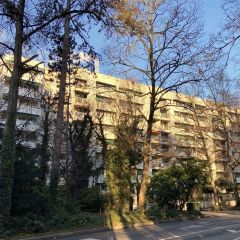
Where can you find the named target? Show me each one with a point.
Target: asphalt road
(219, 226)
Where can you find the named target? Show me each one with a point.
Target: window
(202, 118)
(105, 86)
(30, 85)
(28, 136)
(177, 114)
(110, 141)
(107, 114)
(187, 150)
(184, 138)
(104, 99)
(164, 125)
(183, 104)
(164, 148)
(164, 137)
(82, 109)
(27, 117)
(80, 82)
(164, 112)
(131, 92)
(184, 126)
(81, 94)
(199, 107)
(27, 101)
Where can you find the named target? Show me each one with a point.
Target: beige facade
(184, 125)
(29, 107)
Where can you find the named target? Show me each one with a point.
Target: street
(215, 226)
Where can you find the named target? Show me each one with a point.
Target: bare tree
(226, 125)
(158, 44)
(199, 113)
(216, 127)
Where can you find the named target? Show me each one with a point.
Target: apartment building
(29, 104)
(184, 126)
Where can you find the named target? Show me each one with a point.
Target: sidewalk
(225, 213)
(66, 234)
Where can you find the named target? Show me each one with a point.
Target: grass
(118, 220)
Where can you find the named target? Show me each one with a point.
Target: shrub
(171, 188)
(90, 200)
(29, 223)
(86, 220)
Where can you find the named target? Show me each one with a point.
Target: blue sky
(212, 17)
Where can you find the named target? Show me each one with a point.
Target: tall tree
(65, 52)
(8, 145)
(200, 114)
(160, 44)
(74, 25)
(78, 173)
(15, 18)
(226, 125)
(125, 154)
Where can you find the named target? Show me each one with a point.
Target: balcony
(81, 84)
(105, 86)
(29, 110)
(164, 115)
(25, 110)
(81, 101)
(27, 125)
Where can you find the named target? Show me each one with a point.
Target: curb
(67, 234)
(99, 230)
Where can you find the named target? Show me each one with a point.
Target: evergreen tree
(125, 155)
(80, 170)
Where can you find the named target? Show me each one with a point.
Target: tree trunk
(215, 195)
(8, 141)
(44, 149)
(146, 161)
(147, 144)
(55, 169)
(235, 189)
(143, 185)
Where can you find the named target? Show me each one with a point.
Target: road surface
(217, 226)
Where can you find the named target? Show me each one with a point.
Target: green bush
(160, 213)
(32, 223)
(171, 188)
(90, 200)
(86, 220)
(58, 220)
(29, 223)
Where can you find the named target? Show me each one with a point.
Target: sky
(212, 17)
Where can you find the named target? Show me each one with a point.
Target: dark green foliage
(7, 158)
(118, 180)
(224, 183)
(29, 196)
(171, 188)
(32, 223)
(157, 213)
(126, 153)
(78, 173)
(90, 200)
